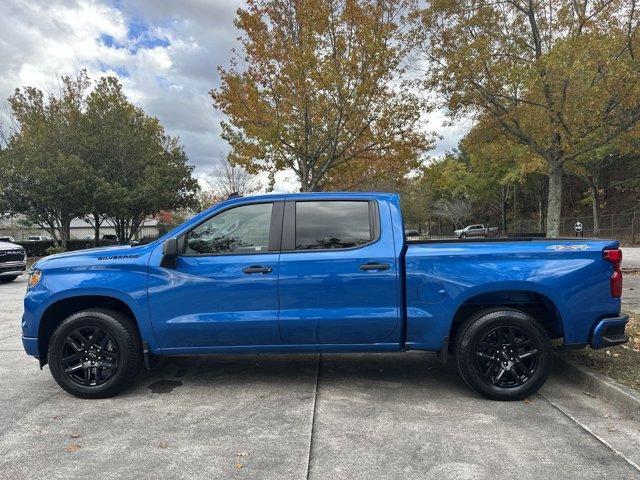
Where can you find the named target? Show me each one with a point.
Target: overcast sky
(165, 53)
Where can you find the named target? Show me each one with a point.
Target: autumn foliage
(319, 89)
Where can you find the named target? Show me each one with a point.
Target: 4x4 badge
(572, 248)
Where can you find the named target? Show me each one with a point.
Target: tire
(481, 354)
(7, 279)
(462, 236)
(117, 349)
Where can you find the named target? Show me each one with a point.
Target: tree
(226, 179)
(559, 76)
(103, 147)
(457, 211)
(44, 177)
(77, 155)
(207, 198)
(593, 171)
(139, 169)
(496, 166)
(319, 88)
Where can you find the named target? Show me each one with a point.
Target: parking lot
(301, 416)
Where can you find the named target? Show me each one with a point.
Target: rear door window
(332, 224)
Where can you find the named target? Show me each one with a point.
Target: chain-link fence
(620, 226)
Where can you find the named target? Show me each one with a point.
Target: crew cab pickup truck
(321, 272)
(476, 231)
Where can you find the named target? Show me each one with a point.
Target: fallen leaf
(611, 429)
(163, 445)
(242, 454)
(239, 466)
(74, 435)
(526, 400)
(74, 447)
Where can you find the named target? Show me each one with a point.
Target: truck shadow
(365, 370)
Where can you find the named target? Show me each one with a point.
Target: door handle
(257, 269)
(375, 266)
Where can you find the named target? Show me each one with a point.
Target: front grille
(11, 256)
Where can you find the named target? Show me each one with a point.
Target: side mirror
(169, 253)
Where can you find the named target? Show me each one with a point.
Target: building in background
(18, 229)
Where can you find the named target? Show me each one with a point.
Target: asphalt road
(297, 417)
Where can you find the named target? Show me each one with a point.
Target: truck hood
(9, 246)
(115, 255)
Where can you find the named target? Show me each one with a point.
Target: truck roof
(312, 195)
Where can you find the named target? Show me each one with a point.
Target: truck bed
(445, 276)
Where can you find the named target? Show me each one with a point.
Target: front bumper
(609, 332)
(30, 345)
(10, 269)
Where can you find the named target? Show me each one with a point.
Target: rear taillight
(614, 257)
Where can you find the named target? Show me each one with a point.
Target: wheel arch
(55, 313)
(531, 301)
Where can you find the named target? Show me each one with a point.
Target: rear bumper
(609, 332)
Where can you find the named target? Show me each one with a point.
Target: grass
(622, 363)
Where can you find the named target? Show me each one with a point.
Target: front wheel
(95, 353)
(504, 354)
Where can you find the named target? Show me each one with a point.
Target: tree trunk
(503, 208)
(554, 203)
(540, 212)
(96, 230)
(596, 214)
(65, 232)
(304, 178)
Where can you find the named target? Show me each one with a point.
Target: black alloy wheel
(95, 353)
(503, 353)
(506, 357)
(90, 356)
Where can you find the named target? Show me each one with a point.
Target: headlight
(34, 278)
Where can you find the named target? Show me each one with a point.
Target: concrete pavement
(298, 417)
(631, 257)
(631, 292)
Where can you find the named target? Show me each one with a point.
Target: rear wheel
(504, 354)
(95, 353)
(7, 279)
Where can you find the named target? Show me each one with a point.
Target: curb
(630, 270)
(600, 386)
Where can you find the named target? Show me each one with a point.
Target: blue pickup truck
(321, 272)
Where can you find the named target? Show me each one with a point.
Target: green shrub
(53, 250)
(40, 248)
